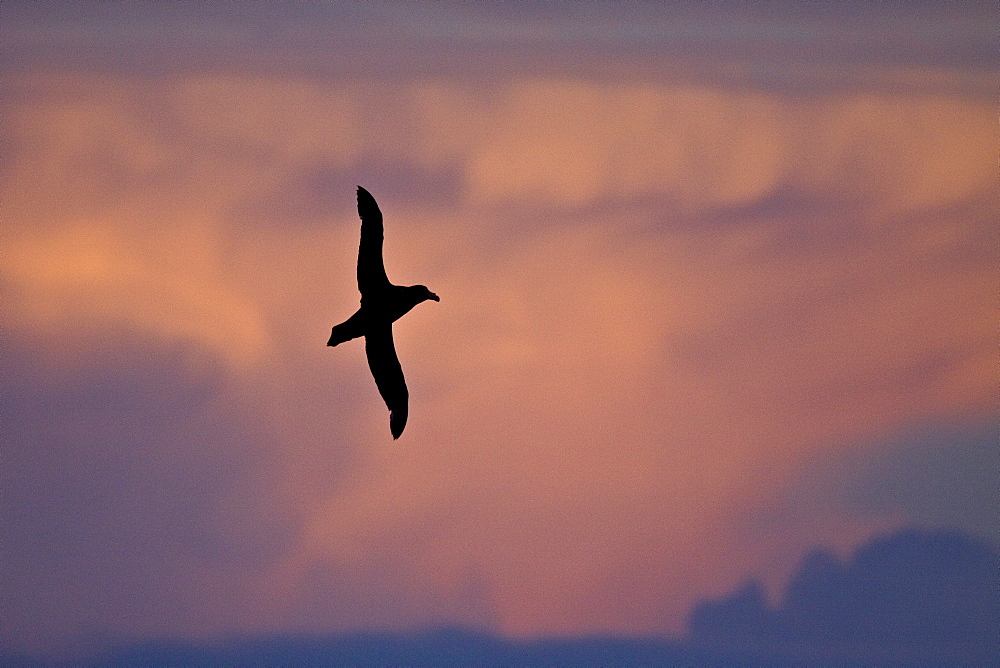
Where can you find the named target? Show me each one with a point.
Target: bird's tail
(397, 420)
(351, 328)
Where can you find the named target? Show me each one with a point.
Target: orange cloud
(657, 301)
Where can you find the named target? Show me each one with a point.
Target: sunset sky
(718, 287)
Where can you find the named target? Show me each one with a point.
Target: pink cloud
(605, 389)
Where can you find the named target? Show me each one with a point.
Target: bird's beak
(434, 297)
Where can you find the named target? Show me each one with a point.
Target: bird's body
(382, 304)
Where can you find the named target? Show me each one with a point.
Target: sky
(718, 289)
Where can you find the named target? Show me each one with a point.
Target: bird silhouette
(382, 304)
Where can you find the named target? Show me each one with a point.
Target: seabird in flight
(382, 303)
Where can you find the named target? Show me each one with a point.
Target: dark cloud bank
(914, 596)
(910, 596)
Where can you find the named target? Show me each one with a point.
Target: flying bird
(382, 304)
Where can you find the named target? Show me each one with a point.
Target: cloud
(439, 647)
(659, 298)
(909, 596)
(145, 495)
(936, 593)
(934, 475)
(90, 275)
(118, 469)
(310, 195)
(793, 48)
(940, 478)
(570, 144)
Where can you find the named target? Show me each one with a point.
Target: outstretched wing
(371, 270)
(388, 374)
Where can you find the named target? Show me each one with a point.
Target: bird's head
(423, 294)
